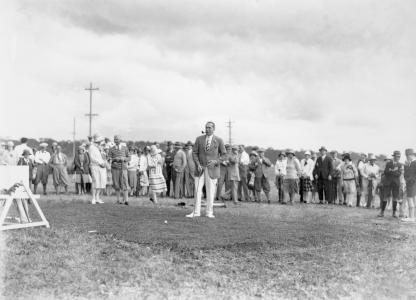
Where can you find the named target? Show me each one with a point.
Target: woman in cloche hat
(349, 177)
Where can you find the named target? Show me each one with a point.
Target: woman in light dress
(157, 182)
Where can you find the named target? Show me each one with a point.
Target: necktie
(207, 145)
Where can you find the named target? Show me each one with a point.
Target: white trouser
(210, 186)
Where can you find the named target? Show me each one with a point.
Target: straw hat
(44, 145)
(253, 153)
(153, 150)
(372, 157)
(308, 153)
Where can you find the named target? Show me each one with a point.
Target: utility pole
(229, 125)
(90, 115)
(73, 139)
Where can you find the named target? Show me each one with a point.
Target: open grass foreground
(247, 252)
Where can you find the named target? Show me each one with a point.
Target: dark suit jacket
(201, 156)
(410, 173)
(323, 168)
(393, 172)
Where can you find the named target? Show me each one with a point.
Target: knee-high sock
(383, 205)
(394, 206)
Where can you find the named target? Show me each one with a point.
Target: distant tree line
(271, 153)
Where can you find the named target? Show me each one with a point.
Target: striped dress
(156, 180)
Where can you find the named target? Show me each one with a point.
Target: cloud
(290, 73)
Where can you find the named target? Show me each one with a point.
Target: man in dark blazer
(322, 173)
(207, 153)
(392, 173)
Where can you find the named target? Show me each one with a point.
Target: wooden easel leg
(21, 211)
(5, 210)
(35, 203)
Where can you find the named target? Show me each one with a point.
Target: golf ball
(166, 221)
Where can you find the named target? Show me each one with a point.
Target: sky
(289, 74)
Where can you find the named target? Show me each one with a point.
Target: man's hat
(26, 152)
(346, 156)
(323, 148)
(396, 153)
(334, 152)
(253, 153)
(98, 139)
(178, 144)
(153, 150)
(43, 145)
(54, 144)
(10, 144)
(409, 151)
(189, 143)
(290, 151)
(227, 146)
(169, 143)
(261, 150)
(371, 156)
(234, 147)
(281, 154)
(308, 152)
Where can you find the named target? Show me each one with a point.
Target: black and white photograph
(222, 149)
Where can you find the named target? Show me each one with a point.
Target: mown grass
(251, 251)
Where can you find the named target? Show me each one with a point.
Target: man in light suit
(207, 153)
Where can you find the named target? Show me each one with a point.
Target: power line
(90, 115)
(73, 138)
(229, 125)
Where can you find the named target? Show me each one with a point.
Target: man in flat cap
(224, 178)
(243, 161)
(322, 173)
(393, 171)
(179, 165)
(260, 166)
(120, 156)
(189, 171)
(42, 158)
(170, 154)
(207, 153)
(360, 167)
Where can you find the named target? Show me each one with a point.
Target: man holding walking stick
(207, 153)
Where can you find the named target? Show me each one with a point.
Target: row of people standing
(41, 163)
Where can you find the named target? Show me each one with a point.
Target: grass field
(249, 251)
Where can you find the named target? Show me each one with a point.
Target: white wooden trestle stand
(10, 175)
